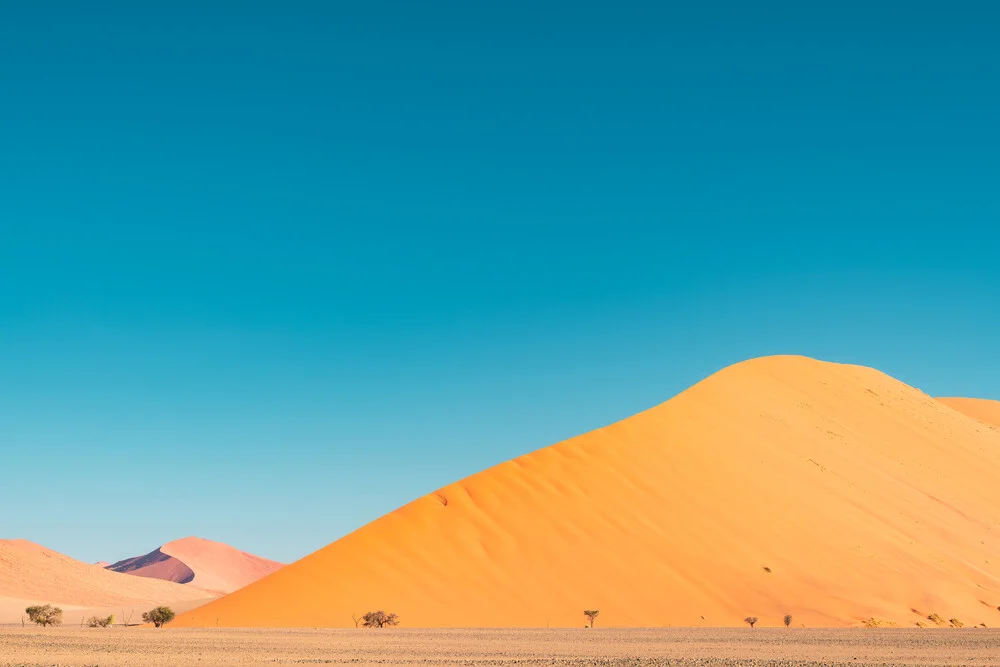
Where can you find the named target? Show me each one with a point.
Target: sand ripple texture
(684, 647)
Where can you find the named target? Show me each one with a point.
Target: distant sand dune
(778, 485)
(205, 564)
(155, 565)
(32, 574)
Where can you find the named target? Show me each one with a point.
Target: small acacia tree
(159, 616)
(788, 620)
(751, 621)
(379, 619)
(44, 615)
(592, 614)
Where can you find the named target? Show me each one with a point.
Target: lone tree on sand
(159, 616)
(592, 614)
(379, 619)
(788, 620)
(45, 615)
(750, 620)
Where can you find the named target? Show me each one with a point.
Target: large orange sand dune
(31, 574)
(778, 485)
(209, 565)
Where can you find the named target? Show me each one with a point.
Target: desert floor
(671, 646)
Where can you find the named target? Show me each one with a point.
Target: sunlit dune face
(778, 486)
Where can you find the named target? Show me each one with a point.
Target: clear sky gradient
(270, 270)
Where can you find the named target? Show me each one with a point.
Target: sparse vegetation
(787, 619)
(936, 619)
(96, 622)
(625, 647)
(767, 569)
(751, 621)
(955, 623)
(44, 615)
(379, 619)
(159, 616)
(591, 614)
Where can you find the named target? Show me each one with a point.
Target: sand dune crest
(212, 566)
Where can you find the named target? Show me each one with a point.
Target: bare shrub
(787, 619)
(751, 621)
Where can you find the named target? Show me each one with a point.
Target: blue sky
(270, 270)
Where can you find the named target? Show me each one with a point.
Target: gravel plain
(701, 647)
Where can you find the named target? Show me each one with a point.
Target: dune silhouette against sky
(208, 565)
(778, 485)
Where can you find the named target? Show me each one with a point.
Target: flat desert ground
(612, 646)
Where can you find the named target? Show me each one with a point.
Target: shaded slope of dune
(32, 574)
(212, 566)
(982, 409)
(778, 485)
(155, 565)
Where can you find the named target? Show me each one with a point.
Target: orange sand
(984, 410)
(778, 485)
(31, 574)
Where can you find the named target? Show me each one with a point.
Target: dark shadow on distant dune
(155, 565)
